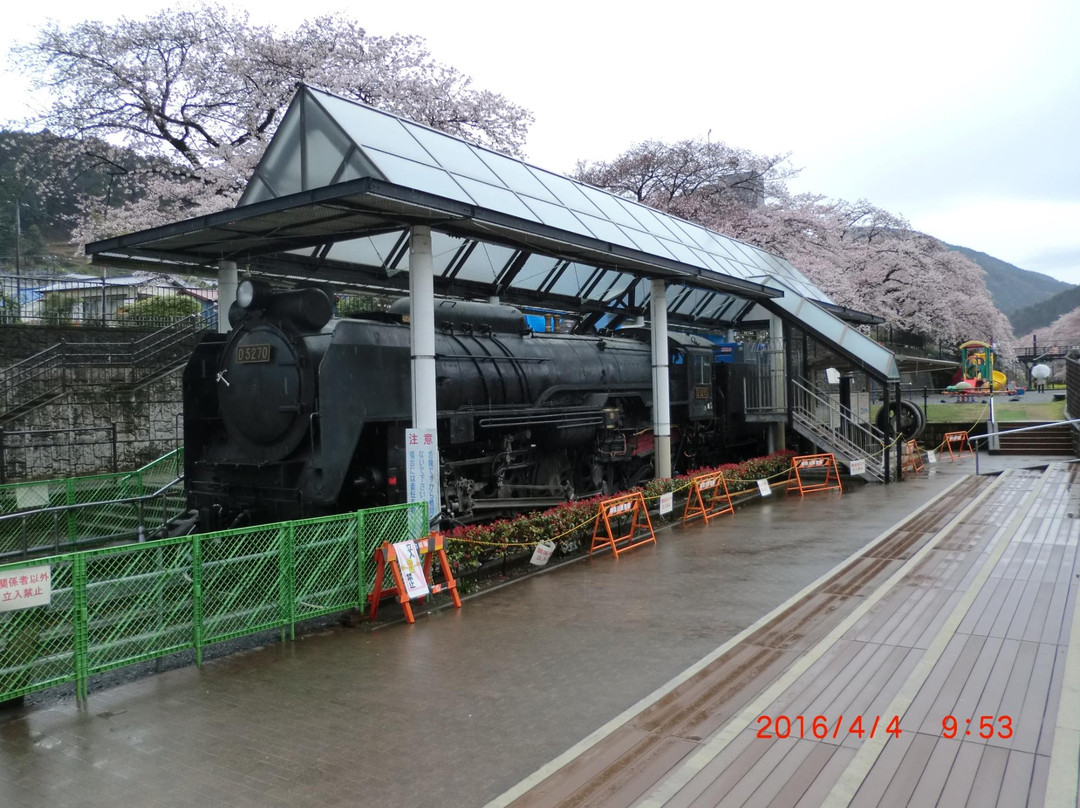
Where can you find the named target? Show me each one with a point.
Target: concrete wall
(146, 426)
(105, 421)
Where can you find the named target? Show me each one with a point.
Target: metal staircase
(819, 419)
(46, 376)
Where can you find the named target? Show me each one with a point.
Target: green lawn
(1004, 410)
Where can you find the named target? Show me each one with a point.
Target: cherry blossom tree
(197, 92)
(859, 255)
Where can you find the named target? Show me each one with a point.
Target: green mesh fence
(117, 606)
(85, 509)
(16, 497)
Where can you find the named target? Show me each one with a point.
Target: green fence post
(197, 597)
(81, 629)
(69, 496)
(362, 562)
(287, 578)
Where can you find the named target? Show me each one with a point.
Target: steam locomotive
(297, 413)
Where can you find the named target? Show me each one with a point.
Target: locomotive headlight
(251, 293)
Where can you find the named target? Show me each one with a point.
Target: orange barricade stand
(714, 487)
(386, 555)
(958, 441)
(610, 508)
(914, 457)
(816, 462)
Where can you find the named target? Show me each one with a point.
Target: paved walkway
(465, 706)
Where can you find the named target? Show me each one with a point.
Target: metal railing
(828, 422)
(96, 610)
(129, 302)
(57, 515)
(974, 439)
(31, 534)
(38, 377)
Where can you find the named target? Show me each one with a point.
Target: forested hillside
(1012, 288)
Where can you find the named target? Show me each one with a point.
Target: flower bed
(570, 524)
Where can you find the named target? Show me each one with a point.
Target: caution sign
(806, 471)
(708, 497)
(412, 576)
(957, 443)
(640, 530)
(913, 457)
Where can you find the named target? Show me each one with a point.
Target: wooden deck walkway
(873, 687)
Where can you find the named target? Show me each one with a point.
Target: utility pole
(18, 262)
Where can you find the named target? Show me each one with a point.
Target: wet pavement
(464, 704)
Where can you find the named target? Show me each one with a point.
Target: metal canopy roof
(340, 185)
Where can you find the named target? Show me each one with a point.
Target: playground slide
(999, 380)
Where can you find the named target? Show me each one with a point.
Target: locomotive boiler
(296, 413)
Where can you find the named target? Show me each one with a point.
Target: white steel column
(661, 393)
(422, 328)
(226, 284)
(777, 437)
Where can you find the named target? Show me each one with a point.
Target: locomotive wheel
(641, 475)
(912, 419)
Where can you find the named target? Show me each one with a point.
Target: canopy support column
(661, 393)
(422, 328)
(778, 347)
(227, 283)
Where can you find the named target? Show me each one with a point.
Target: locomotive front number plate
(248, 354)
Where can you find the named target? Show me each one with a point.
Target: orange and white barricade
(957, 443)
(640, 531)
(411, 573)
(708, 497)
(803, 464)
(913, 456)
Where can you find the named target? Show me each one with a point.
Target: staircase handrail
(998, 434)
(136, 354)
(872, 438)
(64, 510)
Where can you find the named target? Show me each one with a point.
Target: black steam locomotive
(295, 413)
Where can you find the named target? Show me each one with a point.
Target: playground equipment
(977, 374)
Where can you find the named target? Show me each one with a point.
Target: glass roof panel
(516, 175)
(444, 250)
(556, 216)
(371, 252)
(358, 167)
(746, 255)
(683, 253)
(572, 279)
(485, 263)
(654, 222)
(280, 166)
(621, 284)
(694, 235)
(606, 231)
(689, 303)
(496, 198)
(566, 191)
(369, 127)
(256, 191)
(708, 261)
(327, 147)
(454, 155)
(421, 177)
(537, 268)
(648, 243)
(610, 206)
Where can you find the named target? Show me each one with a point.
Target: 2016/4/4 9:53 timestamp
(985, 726)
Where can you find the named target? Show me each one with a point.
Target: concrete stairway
(1053, 440)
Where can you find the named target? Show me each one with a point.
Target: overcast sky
(964, 117)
